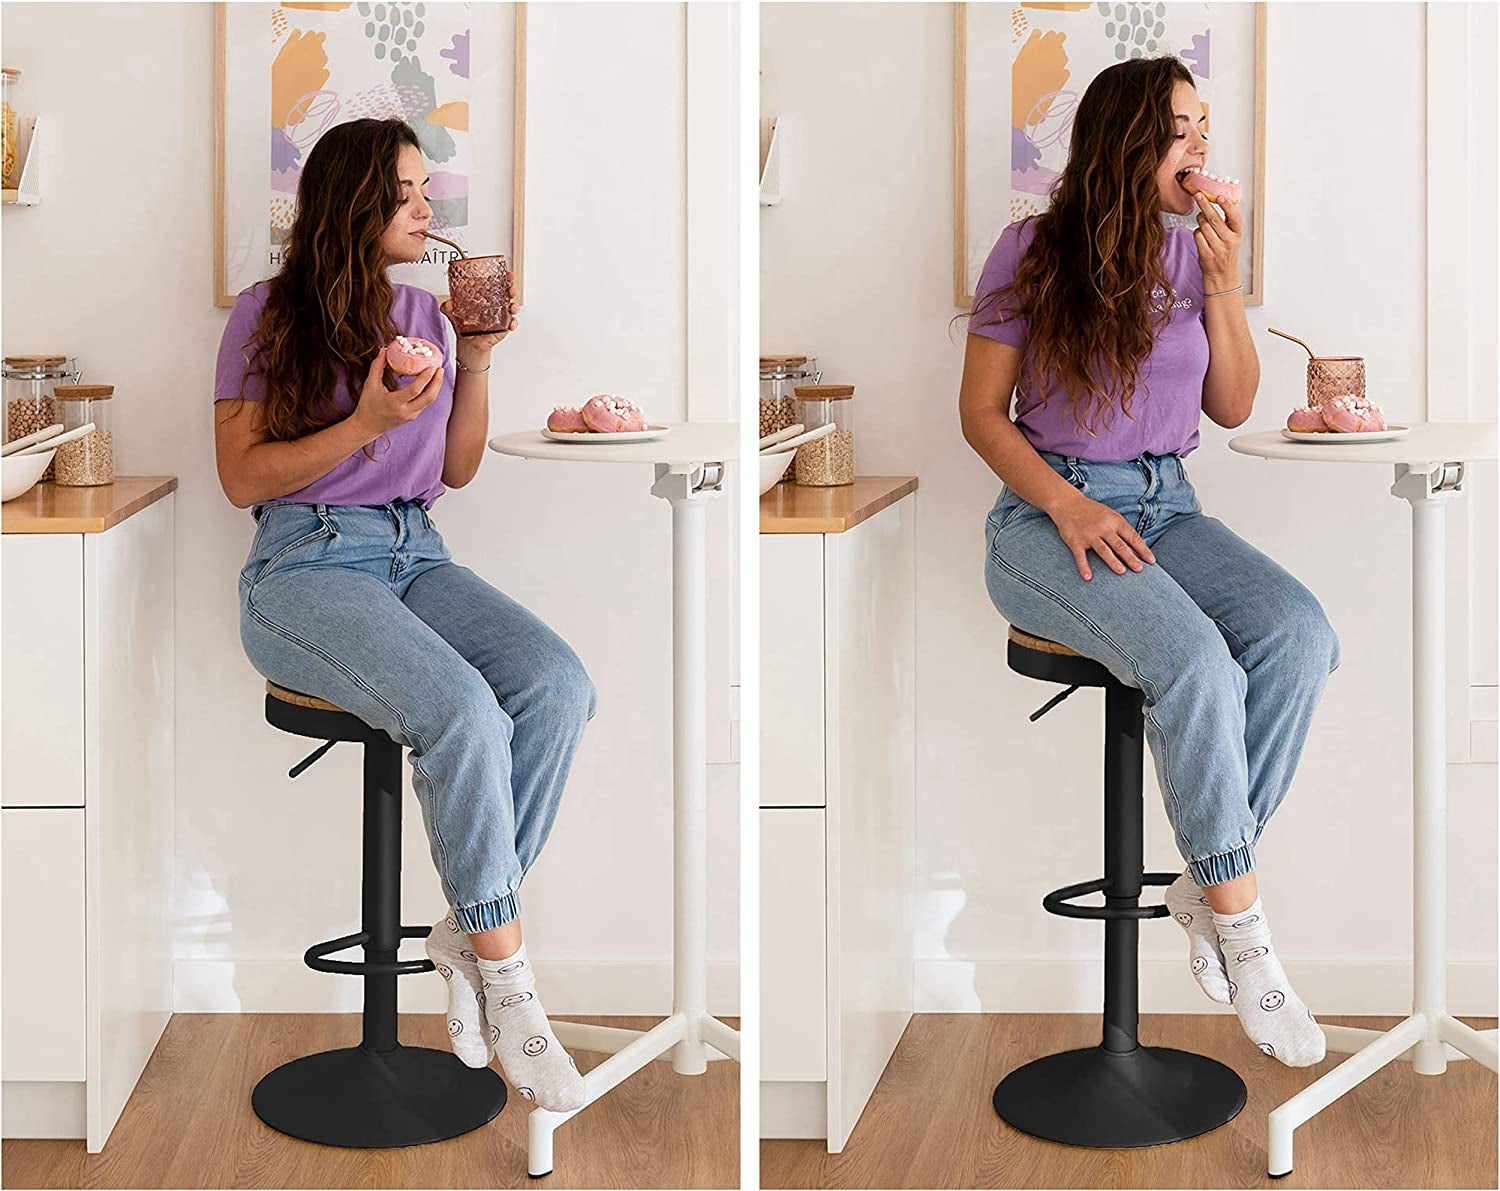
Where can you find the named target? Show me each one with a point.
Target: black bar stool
(1119, 1094)
(379, 1094)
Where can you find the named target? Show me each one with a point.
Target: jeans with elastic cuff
(362, 605)
(1229, 650)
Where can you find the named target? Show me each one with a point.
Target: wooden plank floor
(930, 1123)
(189, 1123)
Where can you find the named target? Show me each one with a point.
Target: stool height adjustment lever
(1050, 704)
(311, 757)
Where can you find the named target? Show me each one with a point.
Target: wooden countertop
(791, 508)
(48, 508)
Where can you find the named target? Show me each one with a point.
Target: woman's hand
(381, 409)
(1218, 241)
(474, 350)
(1085, 525)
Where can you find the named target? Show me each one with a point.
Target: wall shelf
(28, 193)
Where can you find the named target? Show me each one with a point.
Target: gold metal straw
(1312, 354)
(464, 255)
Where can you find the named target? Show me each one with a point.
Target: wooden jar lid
(35, 361)
(82, 392)
(782, 361)
(10, 72)
(824, 392)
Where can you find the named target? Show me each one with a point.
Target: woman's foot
(533, 1059)
(1272, 1014)
(468, 1033)
(1193, 913)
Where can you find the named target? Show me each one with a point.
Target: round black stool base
(362, 1100)
(1147, 1097)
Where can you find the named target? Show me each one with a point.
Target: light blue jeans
(1230, 651)
(362, 606)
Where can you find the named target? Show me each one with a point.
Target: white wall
(857, 268)
(121, 250)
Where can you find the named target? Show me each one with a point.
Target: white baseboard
(1031, 984)
(44, 1110)
(794, 1110)
(289, 986)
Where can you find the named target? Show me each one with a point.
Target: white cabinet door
(791, 669)
(793, 946)
(44, 1011)
(41, 670)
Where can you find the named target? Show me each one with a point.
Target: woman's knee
(564, 686)
(1307, 638)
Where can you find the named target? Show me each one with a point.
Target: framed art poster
(285, 73)
(1020, 70)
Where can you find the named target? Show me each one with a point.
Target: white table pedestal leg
(1430, 1037)
(688, 1033)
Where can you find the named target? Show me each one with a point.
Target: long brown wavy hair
(1084, 282)
(331, 303)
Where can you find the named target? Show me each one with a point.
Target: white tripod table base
(688, 1034)
(1413, 1041)
(1431, 1037)
(632, 1050)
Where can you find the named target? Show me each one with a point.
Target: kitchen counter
(792, 508)
(50, 508)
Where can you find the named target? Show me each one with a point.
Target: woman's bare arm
(990, 373)
(991, 369)
(253, 469)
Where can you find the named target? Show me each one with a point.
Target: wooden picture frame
(964, 271)
(225, 288)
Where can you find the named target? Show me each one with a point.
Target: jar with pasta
(30, 382)
(9, 148)
(829, 460)
(88, 461)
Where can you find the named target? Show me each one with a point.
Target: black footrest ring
(313, 956)
(1059, 900)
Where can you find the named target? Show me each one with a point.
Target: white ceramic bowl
(20, 473)
(773, 467)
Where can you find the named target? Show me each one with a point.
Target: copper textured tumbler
(1334, 376)
(480, 290)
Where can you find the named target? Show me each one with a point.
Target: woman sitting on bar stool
(349, 593)
(1230, 651)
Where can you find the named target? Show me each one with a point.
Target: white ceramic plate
(1329, 437)
(649, 434)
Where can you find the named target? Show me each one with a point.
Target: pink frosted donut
(1352, 415)
(411, 356)
(1306, 421)
(1219, 190)
(612, 415)
(566, 420)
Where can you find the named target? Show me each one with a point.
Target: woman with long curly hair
(1114, 331)
(349, 593)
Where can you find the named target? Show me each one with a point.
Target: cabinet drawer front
(791, 670)
(41, 675)
(44, 1011)
(794, 945)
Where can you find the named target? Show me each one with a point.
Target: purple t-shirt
(1164, 410)
(408, 463)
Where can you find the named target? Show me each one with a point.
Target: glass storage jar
(830, 460)
(10, 149)
(779, 375)
(88, 461)
(29, 402)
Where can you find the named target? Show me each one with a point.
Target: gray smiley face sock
(1192, 912)
(468, 1033)
(534, 1061)
(1272, 1014)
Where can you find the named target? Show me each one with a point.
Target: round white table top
(689, 443)
(1428, 442)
